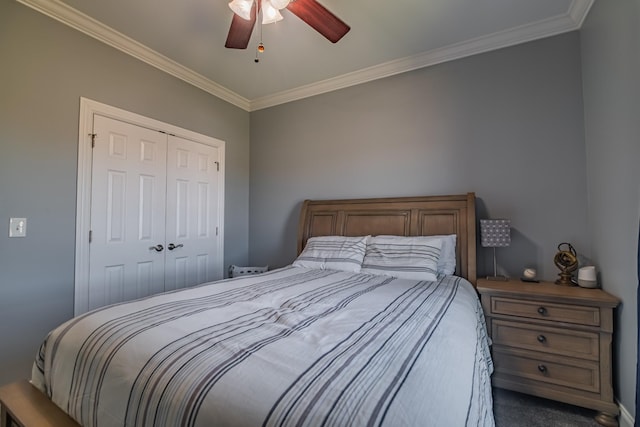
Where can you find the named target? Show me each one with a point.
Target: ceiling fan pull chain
(260, 47)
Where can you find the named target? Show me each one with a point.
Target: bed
(298, 345)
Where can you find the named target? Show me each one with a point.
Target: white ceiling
(186, 38)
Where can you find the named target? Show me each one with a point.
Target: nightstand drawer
(556, 371)
(578, 314)
(565, 342)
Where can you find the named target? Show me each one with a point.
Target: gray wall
(506, 124)
(46, 68)
(611, 71)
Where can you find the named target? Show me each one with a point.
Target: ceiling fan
(310, 11)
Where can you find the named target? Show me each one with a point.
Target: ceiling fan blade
(319, 18)
(240, 31)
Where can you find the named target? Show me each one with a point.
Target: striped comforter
(293, 346)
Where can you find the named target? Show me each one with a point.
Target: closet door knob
(172, 246)
(157, 248)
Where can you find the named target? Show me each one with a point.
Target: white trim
(579, 10)
(75, 19)
(625, 419)
(83, 208)
(482, 44)
(60, 11)
(83, 202)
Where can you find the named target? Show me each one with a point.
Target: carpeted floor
(512, 409)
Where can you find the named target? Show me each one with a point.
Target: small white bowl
(587, 283)
(587, 273)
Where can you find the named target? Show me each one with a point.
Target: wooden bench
(23, 405)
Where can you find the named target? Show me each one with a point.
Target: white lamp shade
(280, 4)
(242, 8)
(269, 13)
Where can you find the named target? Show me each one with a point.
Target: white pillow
(403, 257)
(447, 260)
(333, 253)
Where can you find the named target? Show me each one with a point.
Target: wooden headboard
(400, 216)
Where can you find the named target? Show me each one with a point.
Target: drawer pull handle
(542, 311)
(541, 338)
(542, 368)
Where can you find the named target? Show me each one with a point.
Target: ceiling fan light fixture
(309, 11)
(280, 4)
(269, 13)
(242, 8)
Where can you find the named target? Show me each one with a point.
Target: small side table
(552, 341)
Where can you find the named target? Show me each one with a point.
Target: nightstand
(552, 341)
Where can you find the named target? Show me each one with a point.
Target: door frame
(88, 108)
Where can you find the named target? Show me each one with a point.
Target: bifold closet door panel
(192, 209)
(128, 204)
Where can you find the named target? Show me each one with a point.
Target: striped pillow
(333, 253)
(403, 257)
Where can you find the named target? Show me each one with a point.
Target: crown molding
(77, 20)
(67, 15)
(578, 11)
(571, 21)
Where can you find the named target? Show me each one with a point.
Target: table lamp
(495, 233)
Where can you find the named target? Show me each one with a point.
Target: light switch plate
(17, 227)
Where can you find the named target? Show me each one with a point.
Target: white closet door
(192, 213)
(127, 212)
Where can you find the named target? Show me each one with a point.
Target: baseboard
(625, 419)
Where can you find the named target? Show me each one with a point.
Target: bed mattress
(293, 346)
